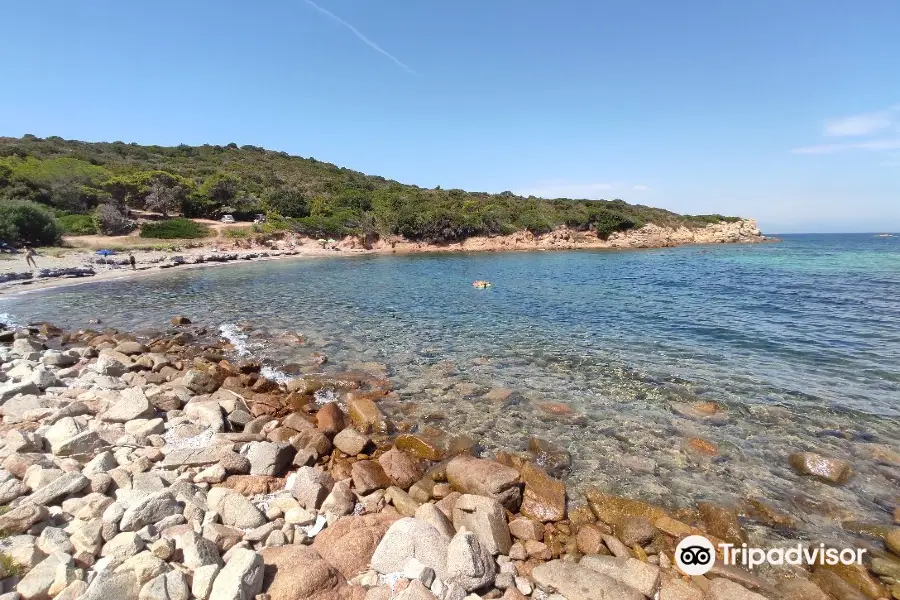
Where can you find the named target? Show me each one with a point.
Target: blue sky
(788, 111)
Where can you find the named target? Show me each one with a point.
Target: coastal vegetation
(69, 180)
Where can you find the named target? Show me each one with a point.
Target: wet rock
(833, 585)
(349, 544)
(706, 412)
(234, 509)
(485, 478)
(722, 523)
(674, 588)
(800, 589)
(486, 518)
(350, 441)
(311, 487)
(544, 498)
(892, 541)
(242, 577)
(410, 538)
(858, 577)
(269, 458)
(635, 574)
(612, 509)
(365, 415)
(829, 470)
(368, 476)
(576, 582)
(469, 563)
(178, 321)
(550, 457)
(723, 589)
(634, 530)
(701, 446)
(431, 446)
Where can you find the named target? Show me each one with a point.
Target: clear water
(798, 341)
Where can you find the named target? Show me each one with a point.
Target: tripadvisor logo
(696, 555)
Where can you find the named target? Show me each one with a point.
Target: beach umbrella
(332, 241)
(105, 252)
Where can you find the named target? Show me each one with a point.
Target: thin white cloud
(362, 37)
(820, 149)
(866, 125)
(640, 188)
(858, 125)
(881, 144)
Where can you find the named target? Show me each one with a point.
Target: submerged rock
(829, 470)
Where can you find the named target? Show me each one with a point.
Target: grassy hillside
(302, 194)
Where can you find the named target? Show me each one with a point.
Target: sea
(795, 343)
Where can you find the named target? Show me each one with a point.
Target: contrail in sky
(358, 34)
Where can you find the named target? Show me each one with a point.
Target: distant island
(53, 187)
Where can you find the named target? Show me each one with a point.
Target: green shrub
(9, 566)
(77, 224)
(175, 229)
(26, 222)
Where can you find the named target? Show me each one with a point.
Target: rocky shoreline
(165, 468)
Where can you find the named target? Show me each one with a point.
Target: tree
(109, 220)
(25, 222)
(163, 198)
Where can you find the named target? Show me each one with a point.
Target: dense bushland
(302, 194)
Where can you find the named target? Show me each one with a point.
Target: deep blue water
(798, 340)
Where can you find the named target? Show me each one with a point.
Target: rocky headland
(165, 468)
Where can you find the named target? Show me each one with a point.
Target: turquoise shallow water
(799, 341)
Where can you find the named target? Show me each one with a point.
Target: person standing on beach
(131, 261)
(29, 257)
